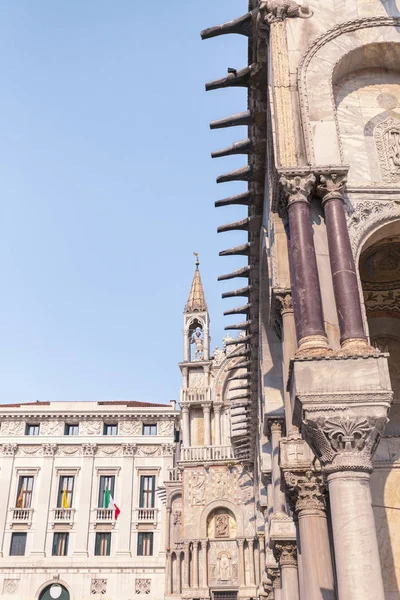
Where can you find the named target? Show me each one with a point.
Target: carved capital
(344, 442)
(129, 449)
(275, 424)
(206, 408)
(297, 187)
(10, 449)
(285, 553)
(331, 186)
(275, 576)
(184, 409)
(305, 491)
(284, 301)
(89, 449)
(49, 449)
(240, 542)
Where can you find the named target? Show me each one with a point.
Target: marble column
(289, 346)
(43, 501)
(185, 426)
(207, 424)
(261, 538)
(85, 499)
(286, 554)
(178, 587)
(298, 187)
(250, 546)
(168, 573)
(275, 576)
(217, 424)
(204, 562)
(344, 274)
(186, 565)
(195, 551)
(168, 525)
(275, 426)
(126, 497)
(307, 499)
(242, 573)
(6, 479)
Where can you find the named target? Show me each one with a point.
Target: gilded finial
(197, 259)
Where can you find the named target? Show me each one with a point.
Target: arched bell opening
(196, 340)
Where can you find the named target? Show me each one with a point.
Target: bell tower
(196, 322)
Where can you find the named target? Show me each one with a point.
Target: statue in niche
(177, 520)
(224, 566)
(197, 339)
(221, 526)
(198, 490)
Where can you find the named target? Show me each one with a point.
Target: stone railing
(62, 515)
(105, 514)
(146, 515)
(22, 515)
(174, 475)
(207, 453)
(196, 395)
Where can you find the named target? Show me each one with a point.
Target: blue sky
(107, 188)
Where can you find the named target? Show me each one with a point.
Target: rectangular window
(147, 491)
(71, 429)
(32, 429)
(110, 429)
(107, 482)
(24, 492)
(145, 543)
(65, 491)
(149, 429)
(103, 544)
(60, 544)
(18, 543)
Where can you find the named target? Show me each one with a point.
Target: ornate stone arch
(315, 81)
(234, 508)
(368, 216)
(53, 582)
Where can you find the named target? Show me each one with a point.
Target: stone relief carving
(221, 526)
(168, 449)
(177, 524)
(109, 450)
(165, 428)
(224, 566)
(99, 586)
(89, 449)
(9, 449)
(221, 484)
(10, 586)
(91, 427)
(49, 449)
(197, 338)
(12, 428)
(68, 450)
(30, 450)
(344, 442)
(363, 217)
(129, 449)
(198, 490)
(377, 301)
(219, 356)
(274, 11)
(51, 428)
(130, 427)
(196, 379)
(143, 586)
(387, 140)
(149, 451)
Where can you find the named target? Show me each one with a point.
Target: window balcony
(147, 515)
(64, 515)
(105, 515)
(22, 515)
(195, 454)
(175, 474)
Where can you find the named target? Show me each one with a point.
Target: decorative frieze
(387, 140)
(99, 586)
(91, 427)
(11, 427)
(130, 427)
(52, 428)
(143, 586)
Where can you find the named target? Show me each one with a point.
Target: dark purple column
(344, 276)
(303, 263)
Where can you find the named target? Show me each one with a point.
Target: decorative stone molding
(142, 586)
(49, 449)
(165, 428)
(149, 450)
(130, 427)
(366, 216)
(89, 449)
(382, 301)
(91, 427)
(306, 491)
(12, 428)
(295, 454)
(99, 586)
(10, 449)
(282, 528)
(69, 450)
(129, 449)
(387, 140)
(10, 586)
(109, 450)
(52, 428)
(285, 553)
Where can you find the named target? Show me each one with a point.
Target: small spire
(196, 301)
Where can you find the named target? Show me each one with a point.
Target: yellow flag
(65, 499)
(20, 498)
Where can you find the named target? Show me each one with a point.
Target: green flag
(107, 497)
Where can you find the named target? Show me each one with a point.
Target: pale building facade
(321, 286)
(60, 534)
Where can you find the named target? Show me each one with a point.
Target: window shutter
(101, 491)
(112, 485)
(153, 490)
(140, 544)
(97, 545)
(141, 496)
(151, 544)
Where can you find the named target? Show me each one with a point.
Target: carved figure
(198, 490)
(221, 526)
(220, 485)
(273, 11)
(224, 562)
(198, 340)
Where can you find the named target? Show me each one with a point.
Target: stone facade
(48, 541)
(321, 328)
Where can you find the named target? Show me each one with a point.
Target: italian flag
(109, 503)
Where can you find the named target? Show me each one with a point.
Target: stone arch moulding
(318, 110)
(367, 217)
(54, 582)
(221, 504)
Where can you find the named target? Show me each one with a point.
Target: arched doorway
(54, 591)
